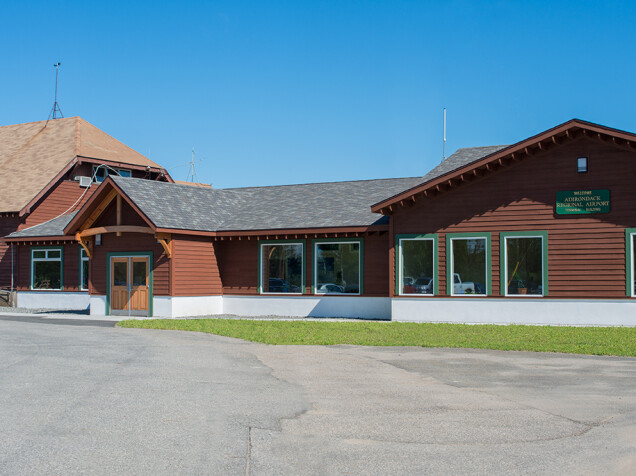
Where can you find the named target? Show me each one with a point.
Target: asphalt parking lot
(84, 397)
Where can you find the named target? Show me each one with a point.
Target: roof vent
(85, 182)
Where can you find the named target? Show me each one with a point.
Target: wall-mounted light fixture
(98, 240)
(581, 165)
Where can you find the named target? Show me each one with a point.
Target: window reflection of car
(277, 285)
(424, 285)
(352, 289)
(330, 288)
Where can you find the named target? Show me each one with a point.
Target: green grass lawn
(577, 340)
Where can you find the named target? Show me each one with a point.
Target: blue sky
(277, 92)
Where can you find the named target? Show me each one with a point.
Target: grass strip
(620, 341)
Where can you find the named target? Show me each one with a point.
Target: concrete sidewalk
(51, 314)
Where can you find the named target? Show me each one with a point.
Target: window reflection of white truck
(466, 287)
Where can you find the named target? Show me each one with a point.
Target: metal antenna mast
(56, 107)
(192, 172)
(444, 145)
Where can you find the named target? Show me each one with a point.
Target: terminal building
(538, 232)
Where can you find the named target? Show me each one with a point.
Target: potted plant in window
(521, 287)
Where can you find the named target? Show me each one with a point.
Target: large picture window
(417, 265)
(282, 268)
(524, 263)
(338, 267)
(83, 270)
(46, 268)
(468, 269)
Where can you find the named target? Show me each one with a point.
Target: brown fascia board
(277, 231)
(97, 197)
(560, 129)
(38, 239)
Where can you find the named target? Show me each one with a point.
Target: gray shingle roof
(313, 205)
(317, 205)
(53, 227)
(461, 158)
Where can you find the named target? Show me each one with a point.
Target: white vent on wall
(85, 182)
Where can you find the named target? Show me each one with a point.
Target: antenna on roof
(444, 145)
(192, 172)
(56, 107)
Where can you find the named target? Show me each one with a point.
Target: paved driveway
(101, 400)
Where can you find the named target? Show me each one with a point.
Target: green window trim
(151, 262)
(629, 271)
(302, 242)
(44, 248)
(398, 262)
(82, 251)
(317, 241)
(449, 268)
(502, 258)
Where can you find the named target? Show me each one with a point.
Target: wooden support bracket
(165, 239)
(87, 244)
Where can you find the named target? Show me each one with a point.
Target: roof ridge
(323, 183)
(481, 147)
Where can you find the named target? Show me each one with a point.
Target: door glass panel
(139, 273)
(120, 273)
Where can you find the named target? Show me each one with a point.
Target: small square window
(581, 165)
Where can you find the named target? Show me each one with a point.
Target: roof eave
(18, 239)
(523, 145)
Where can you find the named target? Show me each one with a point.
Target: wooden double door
(129, 285)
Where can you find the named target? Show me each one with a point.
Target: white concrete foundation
(571, 312)
(98, 305)
(309, 306)
(52, 300)
(184, 306)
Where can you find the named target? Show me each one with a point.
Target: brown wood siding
(194, 269)
(586, 253)
(8, 224)
(71, 263)
(129, 242)
(376, 256)
(57, 201)
(238, 265)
